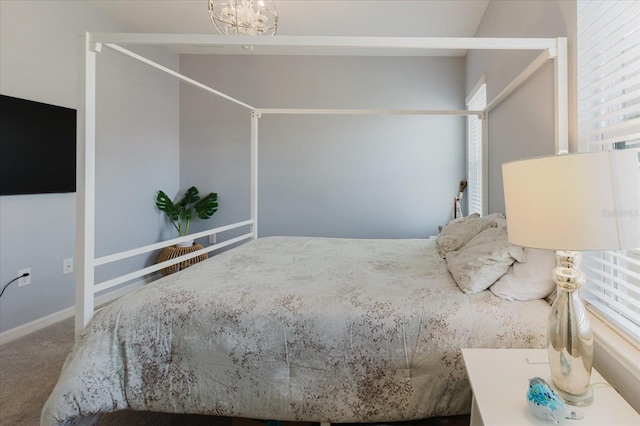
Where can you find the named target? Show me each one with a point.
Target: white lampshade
(588, 201)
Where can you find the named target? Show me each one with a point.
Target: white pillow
(460, 231)
(483, 260)
(529, 280)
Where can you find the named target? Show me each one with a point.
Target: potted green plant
(188, 207)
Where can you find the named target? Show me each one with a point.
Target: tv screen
(37, 147)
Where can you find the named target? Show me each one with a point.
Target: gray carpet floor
(29, 369)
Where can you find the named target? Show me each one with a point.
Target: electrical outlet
(24, 280)
(67, 266)
(212, 238)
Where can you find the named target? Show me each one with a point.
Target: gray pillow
(460, 231)
(483, 260)
(457, 233)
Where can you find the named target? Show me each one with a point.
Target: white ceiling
(387, 18)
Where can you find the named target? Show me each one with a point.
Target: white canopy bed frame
(290, 328)
(91, 44)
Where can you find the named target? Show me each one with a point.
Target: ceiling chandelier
(244, 17)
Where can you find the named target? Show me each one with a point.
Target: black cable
(26, 274)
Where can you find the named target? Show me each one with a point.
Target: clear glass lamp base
(569, 337)
(582, 400)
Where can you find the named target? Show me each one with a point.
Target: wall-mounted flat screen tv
(37, 147)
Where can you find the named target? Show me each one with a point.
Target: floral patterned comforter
(293, 328)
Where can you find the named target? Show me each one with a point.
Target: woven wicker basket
(172, 252)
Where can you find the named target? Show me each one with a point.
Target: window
(609, 118)
(477, 101)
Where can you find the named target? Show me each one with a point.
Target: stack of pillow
(479, 257)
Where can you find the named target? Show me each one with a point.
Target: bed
(294, 328)
(288, 328)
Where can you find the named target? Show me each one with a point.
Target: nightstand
(500, 379)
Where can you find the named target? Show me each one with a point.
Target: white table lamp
(571, 202)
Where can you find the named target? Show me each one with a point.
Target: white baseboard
(40, 323)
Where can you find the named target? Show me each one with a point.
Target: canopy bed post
(254, 173)
(85, 181)
(561, 84)
(485, 161)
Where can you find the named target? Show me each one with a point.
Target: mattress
(294, 328)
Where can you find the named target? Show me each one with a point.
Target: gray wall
(522, 126)
(340, 176)
(38, 47)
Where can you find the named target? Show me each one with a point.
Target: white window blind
(609, 118)
(476, 101)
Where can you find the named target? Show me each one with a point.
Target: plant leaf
(164, 203)
(206, 207)
(190, 197)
